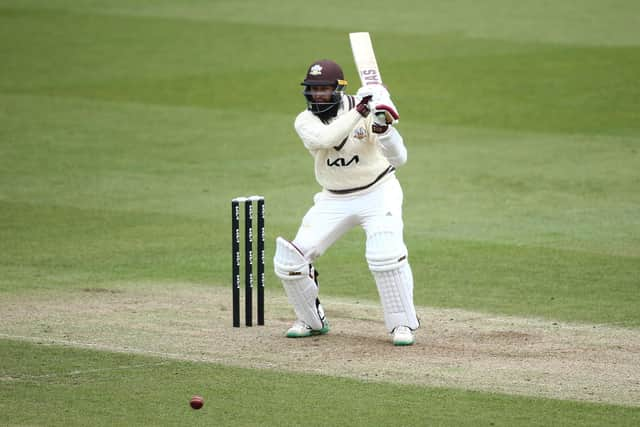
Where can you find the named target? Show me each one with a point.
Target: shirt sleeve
(392, 147)
(317, 135)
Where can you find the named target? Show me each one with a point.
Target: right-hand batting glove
(387, 110)
(379, 124)
(385, 113)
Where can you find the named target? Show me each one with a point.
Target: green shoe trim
(297, 335)
(324, 330)
(310, 332)
(403, 343)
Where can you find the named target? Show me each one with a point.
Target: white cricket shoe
(299, 329)
(402, 335)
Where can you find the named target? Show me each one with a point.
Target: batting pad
(386, 250)
(387, 258)
(299, 282)
(395, 288)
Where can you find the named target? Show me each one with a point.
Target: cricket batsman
(356, 150)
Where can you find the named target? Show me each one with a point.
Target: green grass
(125, 134)
(90, 197)
(126, 128)
(79, 387)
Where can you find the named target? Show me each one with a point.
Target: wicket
(248, 255)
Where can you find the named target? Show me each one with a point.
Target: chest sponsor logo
(359, 133)
(342, 162)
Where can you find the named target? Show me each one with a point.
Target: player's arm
(392, 146)
(317, 135)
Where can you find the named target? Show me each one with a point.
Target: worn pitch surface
(455, 348)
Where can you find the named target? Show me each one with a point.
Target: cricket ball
(196, 402)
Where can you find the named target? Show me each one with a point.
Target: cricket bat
(367, 66)
(365, 59)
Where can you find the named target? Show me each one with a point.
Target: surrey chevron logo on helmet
(315, 70)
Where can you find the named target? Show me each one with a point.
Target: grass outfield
(68, 386)
(127, 127)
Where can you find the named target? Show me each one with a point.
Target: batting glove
(364, 107)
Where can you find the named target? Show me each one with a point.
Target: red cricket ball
(196, 402)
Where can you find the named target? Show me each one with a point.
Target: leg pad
(299, 280)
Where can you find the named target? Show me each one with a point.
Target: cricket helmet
(324, 73)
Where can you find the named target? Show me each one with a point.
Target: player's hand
(363, 92)
(379, 124)
(381, 103)
(376, 91)
(364, 106)
(385, 114)
(387, 111)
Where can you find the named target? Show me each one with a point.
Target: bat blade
(365, 59)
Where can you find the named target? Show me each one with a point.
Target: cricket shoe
(301, 329)
(402, 335)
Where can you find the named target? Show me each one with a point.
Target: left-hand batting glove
(364, 106)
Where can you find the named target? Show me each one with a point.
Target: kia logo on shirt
(340, 161)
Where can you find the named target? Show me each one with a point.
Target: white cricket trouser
(379, 212)
(332, 215)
